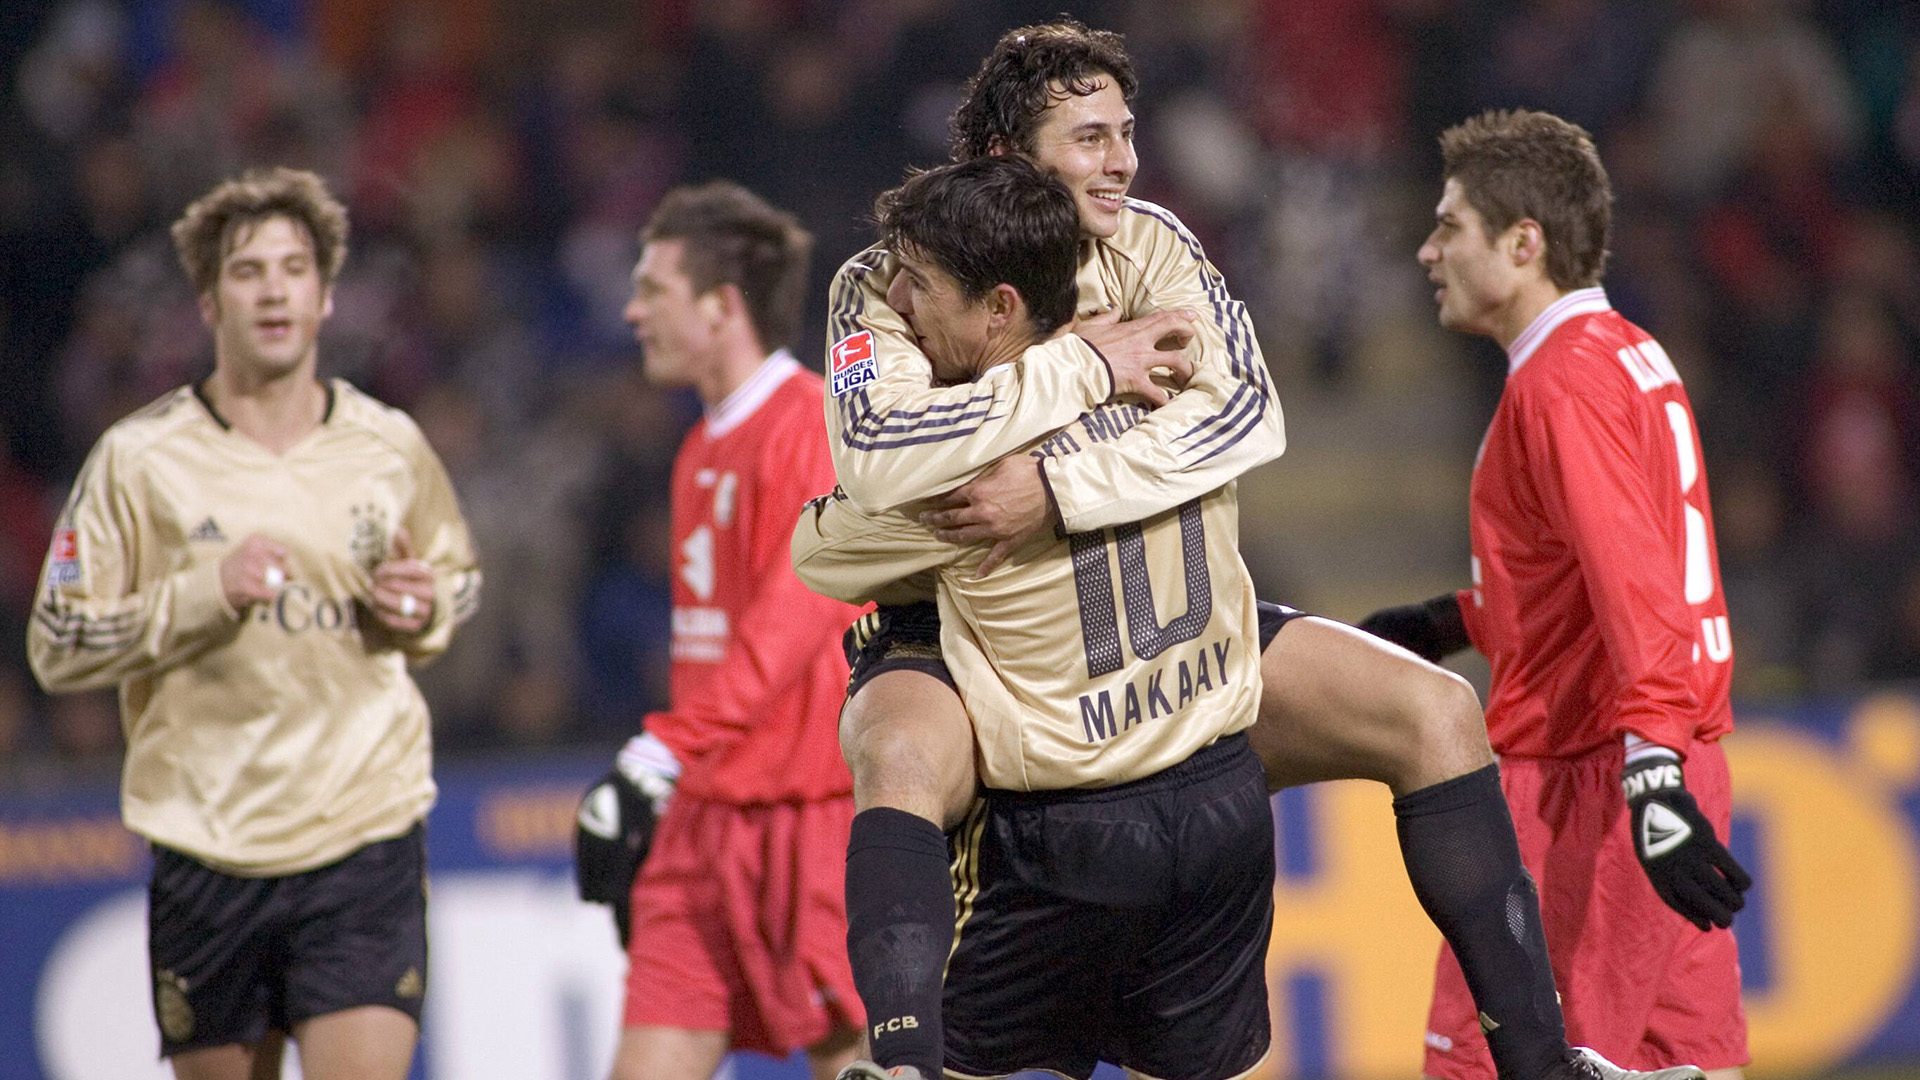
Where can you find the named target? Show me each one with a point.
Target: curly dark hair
(1029, 69)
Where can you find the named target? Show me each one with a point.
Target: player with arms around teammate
(1596, 596)
(738, 917)
(1116, 879)
(254, 560)
(1335, 703)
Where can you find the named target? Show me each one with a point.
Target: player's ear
(209, 308)
(1529, 242)
(998, 146)
(724, 301)
(1004, 306)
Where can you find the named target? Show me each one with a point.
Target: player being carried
(1596, 596)
(1335, 703)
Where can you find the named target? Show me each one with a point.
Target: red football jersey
(757, 672)
(1596, 581)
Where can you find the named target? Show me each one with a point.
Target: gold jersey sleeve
(1224, 423)
(279, 738)
(1159, 658)
(896, 438)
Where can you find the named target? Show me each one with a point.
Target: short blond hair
(217, 220)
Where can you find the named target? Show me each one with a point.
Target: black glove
(1432, 630)
(614, 826)
(1690, 868)
(612, 833)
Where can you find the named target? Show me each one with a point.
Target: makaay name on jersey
(700, 634)
(1162, 691)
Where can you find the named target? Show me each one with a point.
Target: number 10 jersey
(1084, 661)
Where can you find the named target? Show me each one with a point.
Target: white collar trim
(1589, 301)
(747, 398)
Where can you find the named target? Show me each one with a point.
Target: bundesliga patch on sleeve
(851, 363)
(64, 560)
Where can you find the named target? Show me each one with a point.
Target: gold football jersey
(1086, 660)
(896, 438)
(279, 738)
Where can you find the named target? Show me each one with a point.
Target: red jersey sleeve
(1596, 465)
(1469, 603)
(785, 626)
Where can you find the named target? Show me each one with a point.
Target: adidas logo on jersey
(207, 530)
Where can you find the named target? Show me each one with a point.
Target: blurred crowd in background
(498, 157)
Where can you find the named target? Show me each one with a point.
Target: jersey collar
(200, 393)
(746, 398)
(1589, 301)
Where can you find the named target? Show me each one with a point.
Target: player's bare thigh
(369, 1042)
(234, 1061)
(653, 1052)
(909, 743)
(1341, 704)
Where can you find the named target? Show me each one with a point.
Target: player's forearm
(1220, 427)
(900, 440)
(456, 596)
(840, 552)
(1659, 706)
(77, 642)
(446, 543)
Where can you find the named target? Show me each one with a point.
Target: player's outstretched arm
(90, 628)
(896, 438)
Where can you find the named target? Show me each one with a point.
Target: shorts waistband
(1211, 760)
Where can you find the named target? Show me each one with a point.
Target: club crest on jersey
(369, 541)
(63, 562)
(851, 363)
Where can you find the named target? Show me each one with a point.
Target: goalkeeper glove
(1690, 868)
(1432, 630)
(614, 826)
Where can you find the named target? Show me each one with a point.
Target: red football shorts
(1637, 982)
(740, 924)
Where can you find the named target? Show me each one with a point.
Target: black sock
(899, 931)
(1464, 861)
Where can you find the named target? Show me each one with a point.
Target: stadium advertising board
(525, 980)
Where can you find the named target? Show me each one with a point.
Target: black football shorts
(236, 957)
(1127, 925)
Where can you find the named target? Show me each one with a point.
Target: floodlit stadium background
(498, 158)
